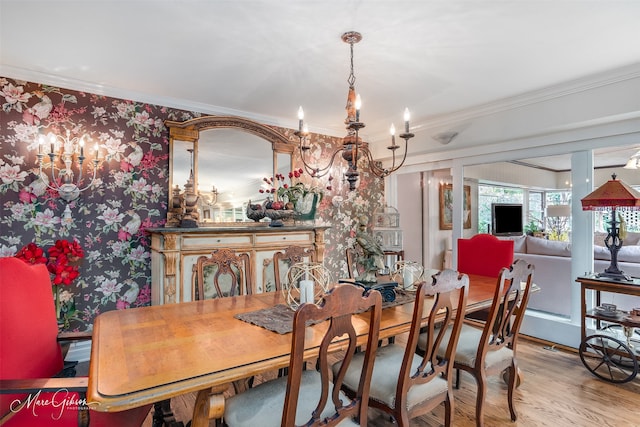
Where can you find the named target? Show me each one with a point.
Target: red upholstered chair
(484, 254)
(30, 356)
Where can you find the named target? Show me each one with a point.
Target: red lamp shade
(613, 193)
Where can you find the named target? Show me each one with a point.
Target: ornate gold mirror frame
(189, 131)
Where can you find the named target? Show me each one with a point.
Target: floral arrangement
(290, 193)
(62, 262)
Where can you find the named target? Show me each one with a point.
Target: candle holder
(68, 153)
(301, 272)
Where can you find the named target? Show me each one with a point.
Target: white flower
(111, 216)
(140, 186)
(15, 95)
(18, 211)
(109, 287)
(118, 248)
(98, 111)
(7, 251)
(65, 296)
(139, 254)
(115, 148)
(15, 159)
(46, 219)
(10, 174)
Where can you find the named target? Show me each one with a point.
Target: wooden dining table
(151, 354)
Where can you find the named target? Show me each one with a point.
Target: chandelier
(353, 148)
(66, 153)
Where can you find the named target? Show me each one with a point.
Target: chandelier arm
(375, 169)
(316, 171)
(404, 157)
(93, 178)
(54, 180)
(382, 172)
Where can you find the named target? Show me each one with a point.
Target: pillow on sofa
(631, 239)
(598, 238)
(536, 245)
(519, 243)
(629, 253)
(601, 252)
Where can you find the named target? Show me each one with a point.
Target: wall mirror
(229, 157)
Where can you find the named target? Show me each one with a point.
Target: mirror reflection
(230, 168)
(229, 157)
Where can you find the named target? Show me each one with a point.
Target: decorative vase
(306, 207)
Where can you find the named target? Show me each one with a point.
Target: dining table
(152, 354)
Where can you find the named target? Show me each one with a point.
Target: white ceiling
(262, 59)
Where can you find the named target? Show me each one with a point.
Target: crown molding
(114, 92)
(548, 93)
(437, 121)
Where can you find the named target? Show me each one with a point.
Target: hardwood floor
(557, 390)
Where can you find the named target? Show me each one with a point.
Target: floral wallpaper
(129, 194)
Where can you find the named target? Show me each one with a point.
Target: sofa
(552, 261)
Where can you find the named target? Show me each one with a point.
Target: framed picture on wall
(446, 206)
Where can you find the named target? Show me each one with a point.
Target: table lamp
(614, 195)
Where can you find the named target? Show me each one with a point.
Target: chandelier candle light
(68, 150)
(353, 148)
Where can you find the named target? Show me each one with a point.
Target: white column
(581, 226)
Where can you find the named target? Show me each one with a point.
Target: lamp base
(615, 276)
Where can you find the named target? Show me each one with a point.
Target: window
(535, 213)
(558, 227)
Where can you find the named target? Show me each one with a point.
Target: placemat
(279, 318)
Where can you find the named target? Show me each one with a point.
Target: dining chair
(405, 384)
(32, 391)
(353, 254)
(314, 397)
(485, 255)
(490, 350)
(291, 255)
(228, 274)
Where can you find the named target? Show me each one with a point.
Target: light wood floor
(557, 390)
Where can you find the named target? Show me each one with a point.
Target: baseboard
(551, 329)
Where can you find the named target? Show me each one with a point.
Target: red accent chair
(484, 254)
(30, 356)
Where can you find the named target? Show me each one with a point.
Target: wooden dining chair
(405, 384)
(32, 391)
(291, 255)
(353, 254)
(228, 273)
(490, 350)
(311, 397)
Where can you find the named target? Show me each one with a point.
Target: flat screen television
(506, 219)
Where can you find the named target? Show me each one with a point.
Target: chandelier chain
(352, 77)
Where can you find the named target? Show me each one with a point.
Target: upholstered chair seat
(263, 405)
(384, 380)
(467, 351)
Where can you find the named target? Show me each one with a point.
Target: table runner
(279, 318)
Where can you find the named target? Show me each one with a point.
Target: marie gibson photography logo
(55, 402)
